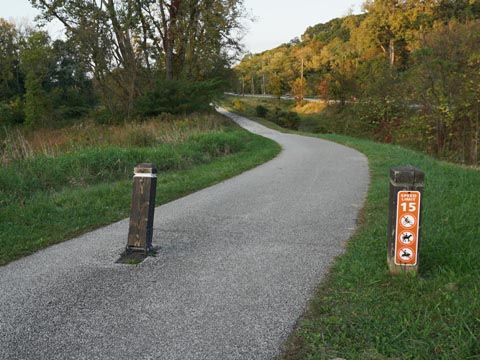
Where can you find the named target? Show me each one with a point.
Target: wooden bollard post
(143, 207)
(406, 190)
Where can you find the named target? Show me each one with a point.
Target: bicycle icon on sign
(408, 221)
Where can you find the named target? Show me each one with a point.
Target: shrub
(261, 111)
(103, 116)
(238, 105)
(274, 115)
(12, 113)
(289, 120)
(176, 97)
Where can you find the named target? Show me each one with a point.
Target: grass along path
(362, 312)
(36, 213)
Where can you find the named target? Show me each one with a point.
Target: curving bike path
(237, 264)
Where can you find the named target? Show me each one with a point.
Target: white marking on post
(145, 176)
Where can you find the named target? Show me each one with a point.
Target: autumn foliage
(412, 67)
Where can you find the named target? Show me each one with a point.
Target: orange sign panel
(408, 217)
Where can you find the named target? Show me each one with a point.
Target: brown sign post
(406, 190)
(143, 206)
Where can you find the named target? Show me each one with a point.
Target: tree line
(413, 66)
(118, 57)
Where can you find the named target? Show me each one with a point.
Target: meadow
(56, 183)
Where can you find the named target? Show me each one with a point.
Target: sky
(276, 21)
(279, 21)
(21, 11)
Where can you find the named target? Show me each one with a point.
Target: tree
(414, 63)
(445, 76)
(385, 25)
(461, 10)
(342, 63)
(70, 88)
(102, 31)
(275, 85)
(36, 63)
(9, 70)
(298, 88)
(126, 43)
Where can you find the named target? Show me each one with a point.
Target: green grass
(47, 200)
(133, 261)
(21, 180)
(362, 312)
(327, 121)
(359, 120)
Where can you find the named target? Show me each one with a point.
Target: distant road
(287, 97)
(284, 97)
(237, 264)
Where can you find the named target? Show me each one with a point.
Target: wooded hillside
(413, 65)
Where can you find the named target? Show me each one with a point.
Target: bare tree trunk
(168, 41)
(392, 52)
(263, 84)
(171, 31)
(146, 53)
(439, 138)
(301, 84)
(475, 139)
(127, 56)
(169, 61)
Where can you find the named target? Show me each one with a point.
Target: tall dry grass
(312, 107)
(20, 144)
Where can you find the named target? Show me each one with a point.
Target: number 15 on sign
(407, 228)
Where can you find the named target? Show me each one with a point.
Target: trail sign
(404, 219)
(408, 216)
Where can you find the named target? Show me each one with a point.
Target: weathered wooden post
(143, 206)
(406, 190)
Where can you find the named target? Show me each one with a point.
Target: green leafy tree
(275, 85)
(9, 70)
(342, 64)
(298, 87)
(103, 32)
(127, 43)
(70, 88)
(36, 63)
(445, 78)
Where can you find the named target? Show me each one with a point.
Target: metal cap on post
(405, 205)
(140, 232)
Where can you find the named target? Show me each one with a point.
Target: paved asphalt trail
(237, 264)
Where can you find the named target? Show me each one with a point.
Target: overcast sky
(277, 21)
